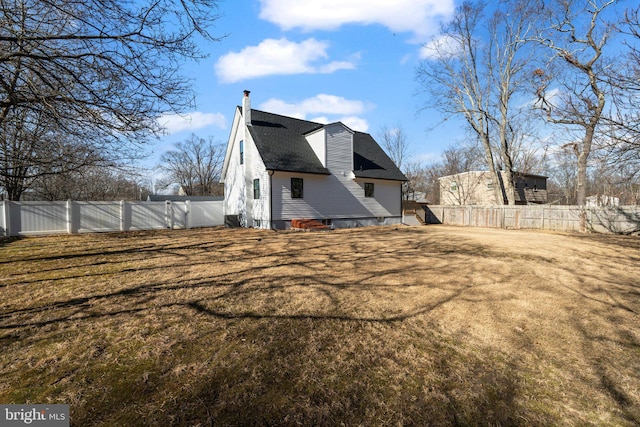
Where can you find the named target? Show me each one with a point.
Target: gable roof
(281, 142)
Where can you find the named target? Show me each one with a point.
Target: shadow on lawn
(233, 285)
(311, 378)
(334, 361)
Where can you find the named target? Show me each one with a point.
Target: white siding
(238, 179)
(339, 195)
(339, 149)
(331, 196)
(257, 209)
(386, 200)
(335, 196)
(317, 141)
(234, 182)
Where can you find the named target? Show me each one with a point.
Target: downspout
(270, 172)
(402, 219)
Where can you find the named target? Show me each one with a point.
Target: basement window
(368, 189)
(296, 188)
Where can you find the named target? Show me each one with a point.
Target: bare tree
(395, 143)
(620, 142)
(111, 66)
(561, 187)
(577, 36)
(418, 180)
(91, 183)
(195, 164)
(462, 158)
(476, 78)
(32, 148)
(92, 71)
(455, 159)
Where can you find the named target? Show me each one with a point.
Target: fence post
(122, 215)
(6, 207)
(69, 216)
(187, 219)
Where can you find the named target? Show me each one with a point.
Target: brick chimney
(246, 108)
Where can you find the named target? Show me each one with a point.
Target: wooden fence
(33, 218)
(624, 219)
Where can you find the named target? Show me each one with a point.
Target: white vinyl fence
(33, 218)
(623, 219)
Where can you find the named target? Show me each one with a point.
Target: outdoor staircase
(308, 224)
(410, 211)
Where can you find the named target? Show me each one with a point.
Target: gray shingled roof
(283, 147)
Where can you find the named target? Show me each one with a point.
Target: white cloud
(173, 123)
(418, 17)
(440, 46)
(278, 57)
(324, 109)
(355, 123)
(321, 119)
(319, 104)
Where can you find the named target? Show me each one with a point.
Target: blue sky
(323, 60)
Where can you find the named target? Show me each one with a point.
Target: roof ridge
(286, 117)
(309, 121)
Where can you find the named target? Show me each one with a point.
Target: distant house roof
(281, 142)
(176, 198)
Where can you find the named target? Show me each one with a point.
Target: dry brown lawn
(381, 326)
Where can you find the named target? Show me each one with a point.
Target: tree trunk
(497, 187)
(583, 155)
(582, 179)
(509, 190)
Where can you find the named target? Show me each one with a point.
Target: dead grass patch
(409, 325)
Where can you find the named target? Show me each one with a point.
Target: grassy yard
(376, 326)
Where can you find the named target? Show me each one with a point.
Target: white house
(278, 169)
